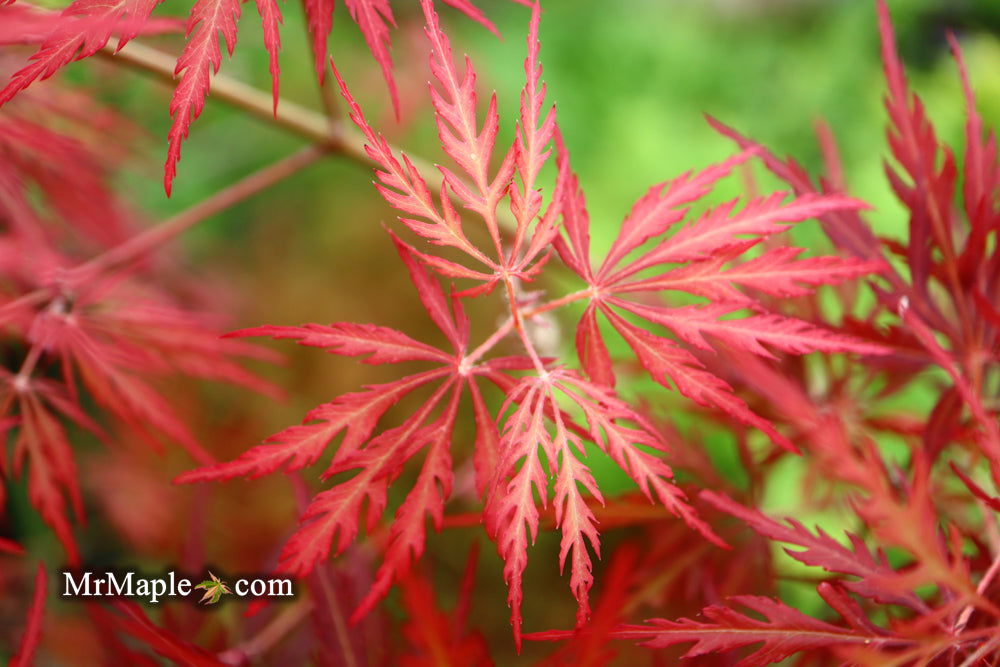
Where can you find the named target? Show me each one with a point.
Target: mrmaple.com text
(85, 584)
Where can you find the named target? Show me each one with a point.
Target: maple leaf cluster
(712, 302)
(551, 407)
(93, 340)
(935, 308)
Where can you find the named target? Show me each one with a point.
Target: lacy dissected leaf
(702, 248)
(374, 18)
(200, 59)
(784, 632)
(777, 272)
(83, 29)
(73, 177)
(692, 323)
(914, 144)
(116, 344)
(86, 27)
(375, 457)
(426, 499)
(270, 16)
(538, 435)
(724, 225)
(42, 448)
(661, 207)
(319, 20)
(402, 186)
(455, 105)
(471, 145)
(665, 361)
(821, 550)
(511, 510)
(533, 141)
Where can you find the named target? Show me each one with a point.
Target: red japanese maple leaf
(86, 27)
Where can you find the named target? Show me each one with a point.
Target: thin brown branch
(279, 627)
(306, 123)
(139, 245)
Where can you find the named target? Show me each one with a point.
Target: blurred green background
(631, 80)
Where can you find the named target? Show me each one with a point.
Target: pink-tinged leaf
(845, 228)
(458, 129)
(374, 18)
(980, 174)
(20, 24)
(487, 453)
(451, 269)
(200, 59)
(108, 370)
(402, 186)
(705, 278)
(510, 509)
(787, 334)
(575, 251)
(427, 498)
(25, 656)
(296, 447)
(41, 443)
(270, 16)
(532, 145)
(604, 413)
(591, 350)
(319, 19)
(432, 296)
(574, 518)
(722, 227)
(785, 632)
(661, 207)
(821, 550)
(379, 345)
(335, 514)
(84, 28)
(777, 272)
(663, 359)
(929, 195)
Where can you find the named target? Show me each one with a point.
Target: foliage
(711, 299)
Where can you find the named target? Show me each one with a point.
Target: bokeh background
(631, 80)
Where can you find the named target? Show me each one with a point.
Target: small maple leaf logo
(215, 588)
